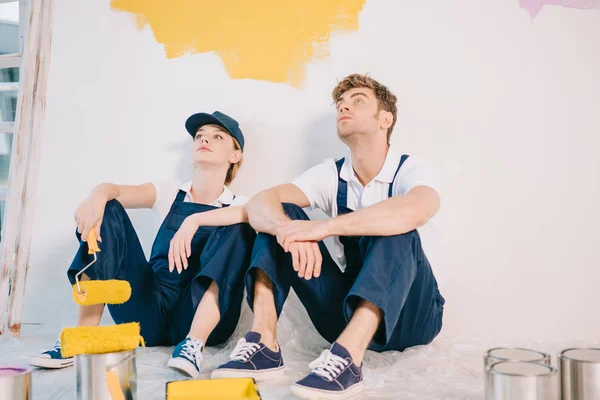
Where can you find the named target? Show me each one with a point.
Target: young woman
(190, 291)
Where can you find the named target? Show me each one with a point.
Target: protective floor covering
(449, 368)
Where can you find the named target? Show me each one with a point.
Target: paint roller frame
(93, 248)
(90, 292)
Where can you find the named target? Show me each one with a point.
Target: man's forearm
(265, 212)
(394, 216)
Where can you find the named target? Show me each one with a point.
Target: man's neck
(368, 159)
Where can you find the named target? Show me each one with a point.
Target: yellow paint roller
(112, 291)
(218, 389)
(100, 339)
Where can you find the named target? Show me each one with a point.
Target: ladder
(19, 193)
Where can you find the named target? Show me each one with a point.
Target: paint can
(511, 380)
(93, 373)
(514, 354)
(15, 383)
(580, 373)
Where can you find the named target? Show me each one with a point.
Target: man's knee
(393, 249)
(294, 212)
(408, 238)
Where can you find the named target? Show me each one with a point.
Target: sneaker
(51, 358)
(187, 357)
(334, 376)
(251, 359)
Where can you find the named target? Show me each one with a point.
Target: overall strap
(180, 196)
(342, 191)
(402, 159)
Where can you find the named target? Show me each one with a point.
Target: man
(387, 297)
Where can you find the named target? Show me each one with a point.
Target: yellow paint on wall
(268, 40)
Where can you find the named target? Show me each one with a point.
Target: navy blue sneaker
(51, 358)
(334, 376)
(187, 357)
(251, 359)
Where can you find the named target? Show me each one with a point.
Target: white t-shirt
(166, 191)
(320, 185)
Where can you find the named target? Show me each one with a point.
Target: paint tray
(218, 389)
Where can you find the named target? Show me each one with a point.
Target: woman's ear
(235, 157)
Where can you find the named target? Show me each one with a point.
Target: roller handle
(92, 242)
(112, 378)
(114, 386)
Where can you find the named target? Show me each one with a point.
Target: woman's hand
(180, 248)
(90, 212)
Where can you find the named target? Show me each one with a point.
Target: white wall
(505, 106)
(9, 12)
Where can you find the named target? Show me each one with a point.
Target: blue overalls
(391, 272)
(164, 302)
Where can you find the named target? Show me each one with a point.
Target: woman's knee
(242, 233)
(241, 228)
(113, 210)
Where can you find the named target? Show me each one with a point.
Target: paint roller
(112, 291)
(100, 339)
(221, 389)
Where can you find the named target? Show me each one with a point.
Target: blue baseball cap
(198, 120)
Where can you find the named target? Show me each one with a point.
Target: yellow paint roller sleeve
(110, 291)
(100, 339)
(222, 389)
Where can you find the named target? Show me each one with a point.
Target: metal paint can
(91, 374)
(519, 380)
(15, 383)
(514, 354)
(580, 373)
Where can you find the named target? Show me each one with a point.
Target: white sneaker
(51, 358)
(187, 357)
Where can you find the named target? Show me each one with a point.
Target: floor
(449, 368)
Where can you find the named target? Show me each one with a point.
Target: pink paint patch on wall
(533, 7)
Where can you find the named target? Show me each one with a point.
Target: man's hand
(180, 248)
(306, 259)
(301, 231)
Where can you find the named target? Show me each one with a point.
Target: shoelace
(328, 365)
(56, 347)
(192, 350)
(243, 350)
